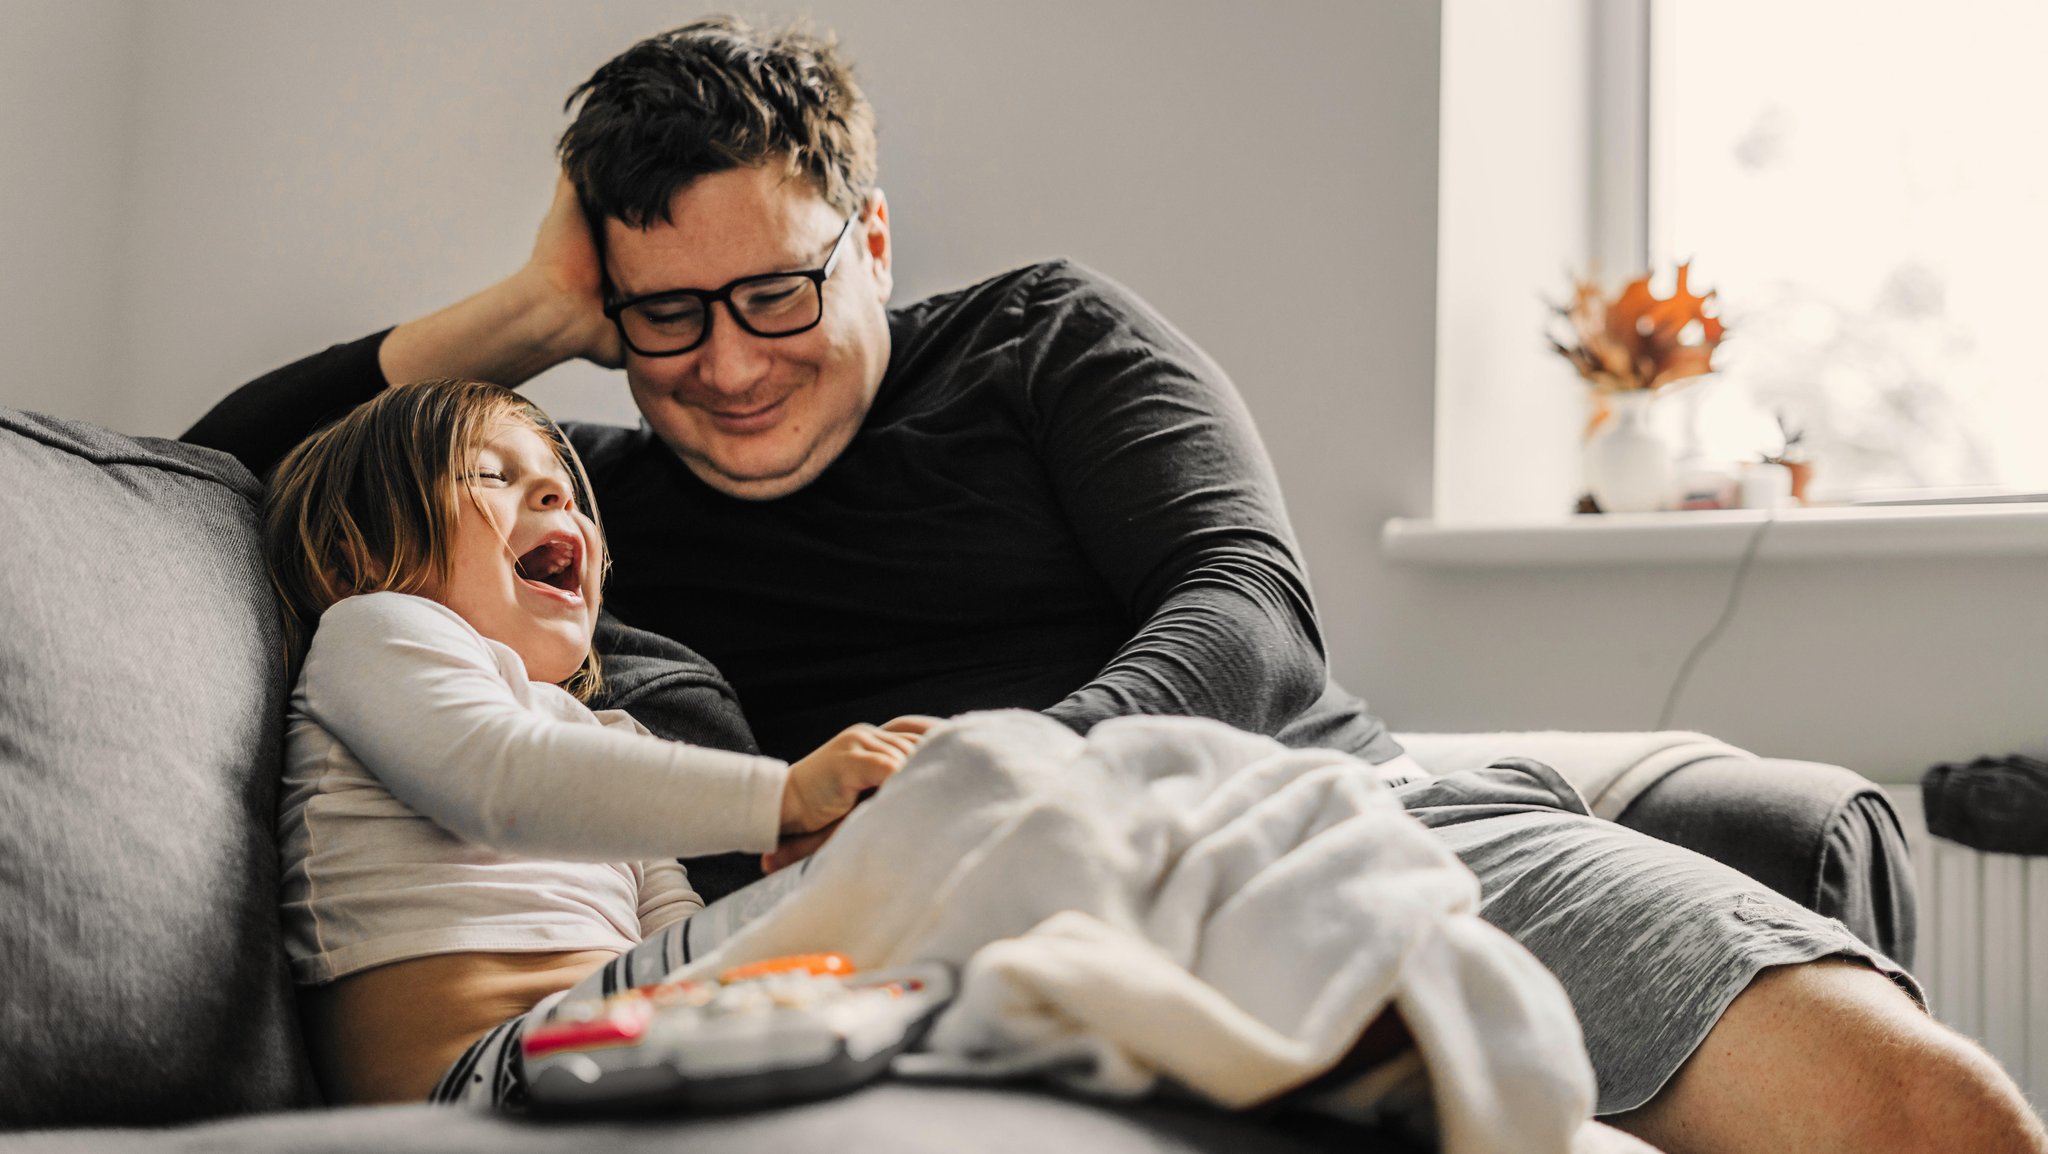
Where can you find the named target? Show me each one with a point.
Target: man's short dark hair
(713, 95)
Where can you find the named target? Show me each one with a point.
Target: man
(1035, 493)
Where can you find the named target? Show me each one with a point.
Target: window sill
(1707, 537)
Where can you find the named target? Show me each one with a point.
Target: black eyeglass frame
(708, 297)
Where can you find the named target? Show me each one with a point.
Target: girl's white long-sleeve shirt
(436, 801)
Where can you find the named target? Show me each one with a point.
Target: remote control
(772, 1031)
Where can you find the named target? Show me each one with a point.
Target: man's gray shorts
(1650, 940)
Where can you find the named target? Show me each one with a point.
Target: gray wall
(1887, 666)
(67, 136)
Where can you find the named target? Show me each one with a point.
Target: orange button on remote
(822, 964)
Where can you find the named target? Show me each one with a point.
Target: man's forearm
(260, 422)
(507, 334)
(1208, 651)
(546, 313)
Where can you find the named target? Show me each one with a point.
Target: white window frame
(1498, 394)
(1622, 110)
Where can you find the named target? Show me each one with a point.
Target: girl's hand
(825, 785)
(914, 724)
(893, 740)
(795, 849)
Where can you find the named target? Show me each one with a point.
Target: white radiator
(1983, 950)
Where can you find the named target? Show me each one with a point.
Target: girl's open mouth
(555, 565)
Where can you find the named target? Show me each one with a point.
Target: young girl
(463, 839)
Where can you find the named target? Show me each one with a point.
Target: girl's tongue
(551, 563)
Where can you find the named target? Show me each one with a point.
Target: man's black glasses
(775, 304)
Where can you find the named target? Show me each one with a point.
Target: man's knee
(1901, 1080)
(1937, 1090)
(1956, 1097)
(1834, 1056)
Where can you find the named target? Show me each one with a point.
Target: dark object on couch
(1992, 804)
(142, 981)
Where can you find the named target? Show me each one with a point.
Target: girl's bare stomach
(387, 1034)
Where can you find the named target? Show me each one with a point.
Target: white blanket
(1173, 898)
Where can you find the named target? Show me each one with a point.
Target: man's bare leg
(1831, 1056)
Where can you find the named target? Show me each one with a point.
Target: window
(1863, 185)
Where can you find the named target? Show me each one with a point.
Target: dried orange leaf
(1639, 340)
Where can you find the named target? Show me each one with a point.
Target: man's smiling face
(759, 417)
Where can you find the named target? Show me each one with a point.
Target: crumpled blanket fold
(1173, 899)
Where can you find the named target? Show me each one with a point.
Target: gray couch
(143, 996)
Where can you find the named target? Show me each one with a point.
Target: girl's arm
(422, 700)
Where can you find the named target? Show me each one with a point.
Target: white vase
(1629, 465)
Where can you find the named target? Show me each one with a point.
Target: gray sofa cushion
(141, 681)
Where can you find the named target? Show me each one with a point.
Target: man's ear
(874, 237)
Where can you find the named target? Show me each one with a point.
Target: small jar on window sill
(1766, 485)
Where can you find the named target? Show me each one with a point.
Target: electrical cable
(1699, 648)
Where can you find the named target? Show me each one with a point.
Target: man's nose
(732, 361)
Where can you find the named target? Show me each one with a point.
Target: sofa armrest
(1819, 834)
(1608, 769)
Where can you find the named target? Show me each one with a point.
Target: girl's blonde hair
(369, 503)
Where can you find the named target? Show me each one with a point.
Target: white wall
(1887, 667)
